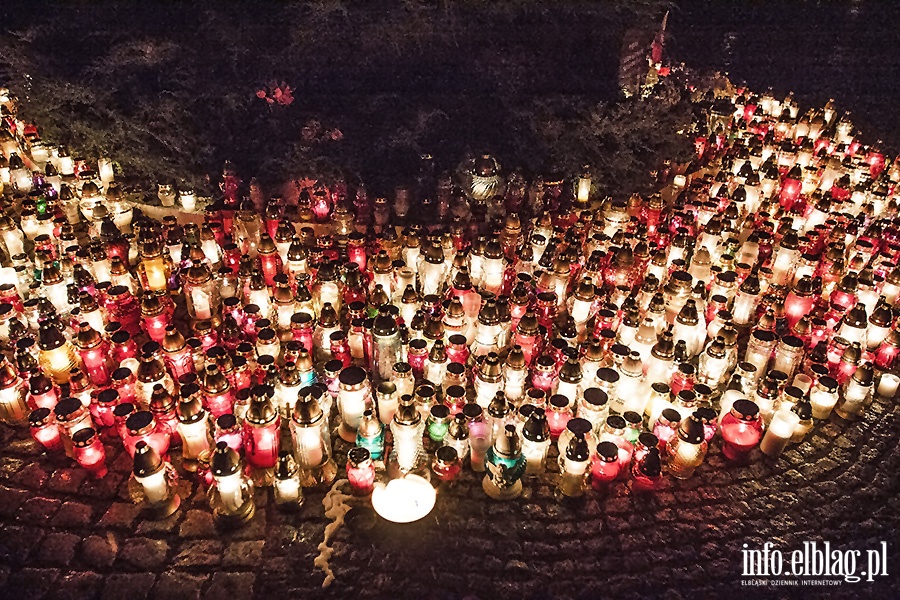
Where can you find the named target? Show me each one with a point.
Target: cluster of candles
(525, 316)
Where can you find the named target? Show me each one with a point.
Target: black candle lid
(608, 451)
(224, 461)
(632, 418)
(474, 412)
(595, 397)
(440, 412)
(579, 426)
(691, 430)
(536, 428)
(358, 455)
(447, 454)
(671, 416)
(648, 440)
(746, 409)
(146, 459)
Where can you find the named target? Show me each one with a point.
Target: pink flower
(260, 94)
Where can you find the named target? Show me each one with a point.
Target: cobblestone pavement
(62, 536)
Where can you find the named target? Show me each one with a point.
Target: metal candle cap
(146, 459)
(508, 444)
(607, 451)
(225, 461)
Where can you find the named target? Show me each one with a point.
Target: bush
(172, 90)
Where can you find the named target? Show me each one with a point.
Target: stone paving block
(106, 488)
(31, 476)
(120, 515)
(10, 467)
(99, 551)
(38, 582)
(128, 586)
(67, 480)
(199, 553)
(149, 526)
(197, 524)
(37, 510)
(16, 543)
(178, 585)
(58, 549)
(82, 585)
(243, 554)
(233, 586)
(72, 514)
(11, 499)
(144, 554)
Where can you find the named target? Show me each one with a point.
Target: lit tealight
(404, 500)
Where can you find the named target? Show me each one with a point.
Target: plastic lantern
(44, 429)
(192, 426)
(312, 442)
(13, 406)
(231, 498)
(153, 269)
(154, 475)
(57, 356)
(201, 292)
(505, 466)
(288, 490)
(687, 448)
(89, 452)
(261, 428)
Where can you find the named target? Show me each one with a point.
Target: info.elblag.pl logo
(816, 563)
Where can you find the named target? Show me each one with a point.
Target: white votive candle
(887, 385)
(779, 433)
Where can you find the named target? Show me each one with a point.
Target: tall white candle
(887, 385)
(779, 433)
(230, 491)
(154, 485)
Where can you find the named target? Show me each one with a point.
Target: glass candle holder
(387, 398)
(789, 354)
(370, 435)
(232, 495)
(44, 429)
(857, 395)
(13, 394)
(142, 427)
(354, 397)
(887, 385)
(605, 466)
(446, 464)
(779, 433)
(535, 442)
(288, 490)
(666, 427)
(574, 468)
(228, 430)
(312, 442)
(505, 466)
(742, 429)
(437, 426)
(152, 473)
(686, 449)
(360, 471)
(192, 426)
(759, 349)
(559, 413)
(89, 452)
(646, 473)
(594, 407)
(261, 428)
